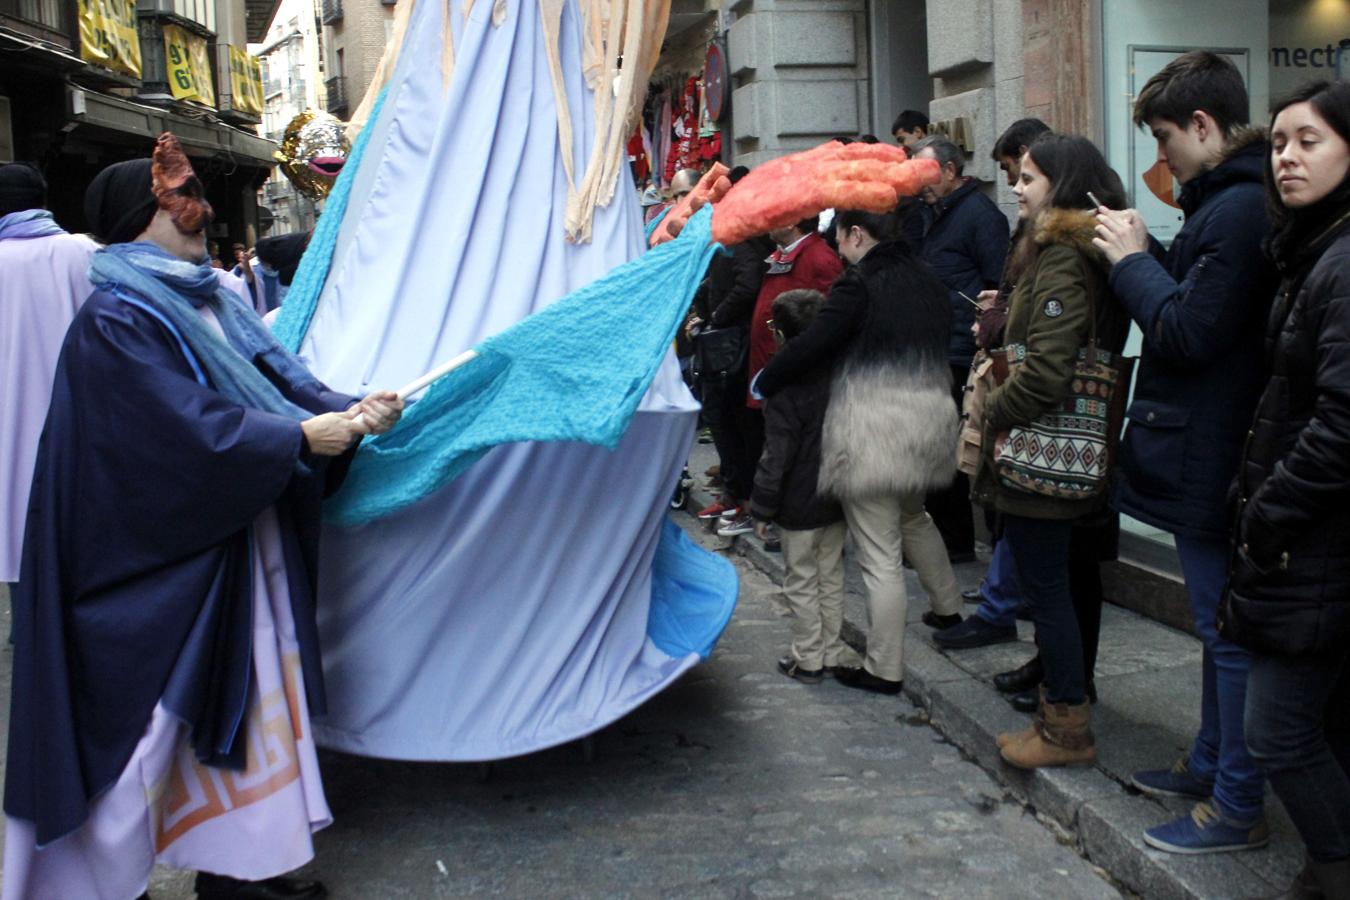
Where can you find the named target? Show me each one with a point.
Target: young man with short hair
(1012, 143)
(1202, 307)
(910, 127)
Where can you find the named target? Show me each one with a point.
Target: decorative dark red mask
(177, 189)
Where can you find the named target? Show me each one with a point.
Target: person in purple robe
(45, 281)
(166, 659)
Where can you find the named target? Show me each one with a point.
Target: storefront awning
(102, 112)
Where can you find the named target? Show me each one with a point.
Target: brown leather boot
(1064, 739)
(1008, 738)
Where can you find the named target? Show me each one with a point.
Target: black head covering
(119, 203)
(283, 253)
(21, 187)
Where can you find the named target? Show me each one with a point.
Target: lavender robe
(44, 282)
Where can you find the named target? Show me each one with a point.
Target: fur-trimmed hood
(1075, 227)
(1243, 136)
(1072, 227)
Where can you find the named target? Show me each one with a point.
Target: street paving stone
(735, 782)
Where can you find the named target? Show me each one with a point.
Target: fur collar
(1075, 227)
(1242, 137)
(1072, 227)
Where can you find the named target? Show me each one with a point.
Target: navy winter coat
(965, 243)
(1202, 308)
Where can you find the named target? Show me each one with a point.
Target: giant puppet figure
(498, 575)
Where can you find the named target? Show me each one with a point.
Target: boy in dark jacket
(812, 525)
(1202, 309)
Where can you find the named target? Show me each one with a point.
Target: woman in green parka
(1060, 301)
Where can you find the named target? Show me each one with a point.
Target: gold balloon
(313, 151)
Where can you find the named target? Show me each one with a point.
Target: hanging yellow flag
(187, 66)
(246, 90)
(108, 35)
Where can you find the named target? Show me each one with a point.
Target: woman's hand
(332, 433)
(381, 411)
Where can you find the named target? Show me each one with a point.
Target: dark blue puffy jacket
(965, 243)
(1202, 309)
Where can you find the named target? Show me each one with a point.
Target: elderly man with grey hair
(965, 241)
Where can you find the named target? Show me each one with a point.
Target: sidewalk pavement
(1148, 681)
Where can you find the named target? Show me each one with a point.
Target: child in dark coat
(812, 525)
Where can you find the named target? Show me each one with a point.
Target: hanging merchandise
(637, 155)
(685, 149)
(710, 145)
(664, 117)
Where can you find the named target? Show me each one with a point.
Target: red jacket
(811, 264)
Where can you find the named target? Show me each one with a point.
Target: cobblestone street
(737, 782)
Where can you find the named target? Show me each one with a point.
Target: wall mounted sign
(246, 89)
(108, 35)
(959, 131)
(187, 66)
(715, 85)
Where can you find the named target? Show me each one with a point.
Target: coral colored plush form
(871, 177)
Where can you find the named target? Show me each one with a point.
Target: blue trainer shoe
(1207, 830)
(1174, 782)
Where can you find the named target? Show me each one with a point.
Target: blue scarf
(28, 223)
(175, 290)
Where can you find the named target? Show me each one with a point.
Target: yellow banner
(246, 89)
(108, 35)
(187, 66)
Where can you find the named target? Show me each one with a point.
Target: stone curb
(1104, 817)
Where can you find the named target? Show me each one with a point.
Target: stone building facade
(804, 71)
(354, 35)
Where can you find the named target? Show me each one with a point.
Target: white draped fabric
(508, 611)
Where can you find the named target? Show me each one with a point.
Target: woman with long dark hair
(1060, 303)
(1289, 581)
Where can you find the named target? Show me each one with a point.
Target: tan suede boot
(1008, 738)
(1065, 739)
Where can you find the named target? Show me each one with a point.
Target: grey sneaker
(738, 525)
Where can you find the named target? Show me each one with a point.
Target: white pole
(421, 383)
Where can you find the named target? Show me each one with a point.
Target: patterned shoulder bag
(1068, 451)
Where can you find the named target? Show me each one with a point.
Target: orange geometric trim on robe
(192, 793)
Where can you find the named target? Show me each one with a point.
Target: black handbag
(720, 352)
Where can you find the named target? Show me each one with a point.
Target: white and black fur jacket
(891, 425)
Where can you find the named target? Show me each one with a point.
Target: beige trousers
(882, 527)
(814, 589)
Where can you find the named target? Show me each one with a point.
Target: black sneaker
(933, 620)
(858, 677)
(974, 632)
(789, 666)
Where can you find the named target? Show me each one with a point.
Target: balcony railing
(332, 11)
(336, 88)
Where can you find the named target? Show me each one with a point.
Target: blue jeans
(999, 594)
(1220, 749)
(1298, 730)
(1040, 553)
